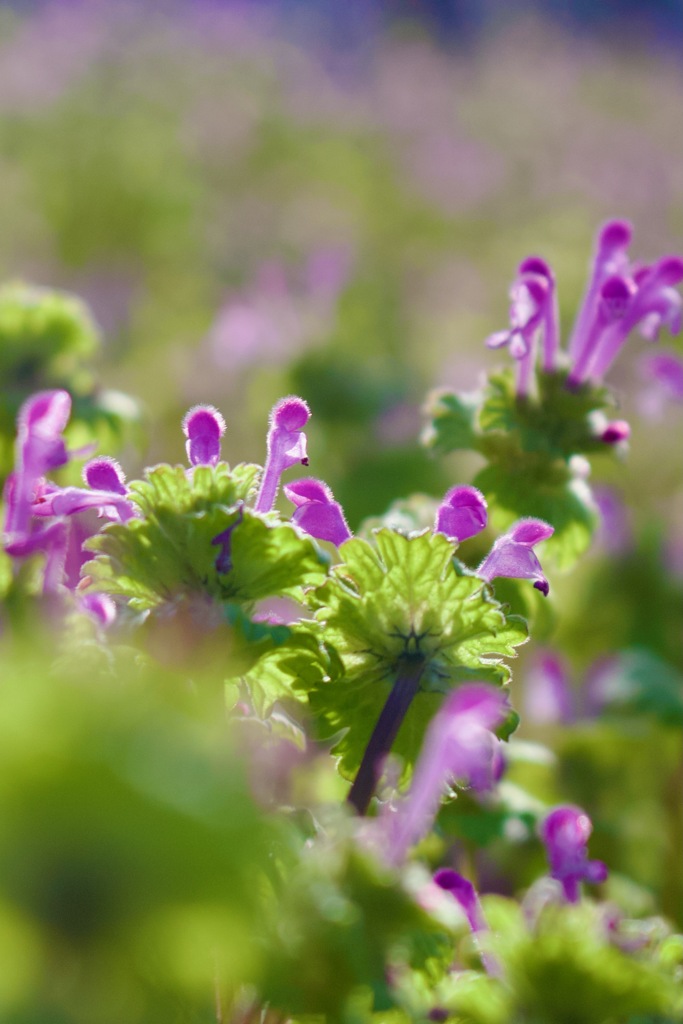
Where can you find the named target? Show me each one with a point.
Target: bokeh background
(259, 198)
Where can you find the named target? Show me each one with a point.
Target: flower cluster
(43, 517)
(620, 296)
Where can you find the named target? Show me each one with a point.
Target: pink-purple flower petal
(462, 513)
(512, 555)
(316, 512)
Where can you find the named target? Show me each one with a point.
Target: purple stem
(383, 735)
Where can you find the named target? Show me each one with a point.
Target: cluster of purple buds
(463, 514)
(565, 832)
(620, 296)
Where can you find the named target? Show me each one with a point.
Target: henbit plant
(535, 428)
(392, 654)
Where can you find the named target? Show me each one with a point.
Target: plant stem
(405, 687)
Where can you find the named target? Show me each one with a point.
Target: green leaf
(384, 603)
(292, 663)
(168, 551)
(556, 422)
(452, 423)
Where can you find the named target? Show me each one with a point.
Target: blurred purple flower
(614, 531)
(100, 607)
(565, 833)
(464, 893)
(462, 513)
(317, 513)
(548, 698)
(663, 376)
(286, 446)
(512, 555)
(275, 317)
(39, 448)
(42, 517)
(460, 748)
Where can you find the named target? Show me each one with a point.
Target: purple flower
(459, 748)
(42, 517)
(286, 446)
(69, 501)
(203, 427)
(565, 833)
(464, 893)
(512, 555)
(652, 304)
(548, 695)
(99, 607)
(461, 514)
(616, 432)
(618, 298)
(614, 533)
(530, 295)
(550, 315)
(663, 373)
(610, 259)
(317, 513)
(105, 474)
(39, 448)
(223, 540)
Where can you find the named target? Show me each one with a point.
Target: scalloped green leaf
(168, 551)
(397, 599)
(292, 659)
(452, 421)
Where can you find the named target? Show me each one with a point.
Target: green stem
(389, 722)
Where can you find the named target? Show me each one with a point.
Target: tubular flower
(529, 296)
(565, 833)
(317, 513)
(461, 514)
(619, 297)
(203, 427)
(459, 748)
(286, 446)
(464, 893)
(512, 555)
(39, 448)
(42, 517)
(663, 376)
(610, 259)
(548, 695)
